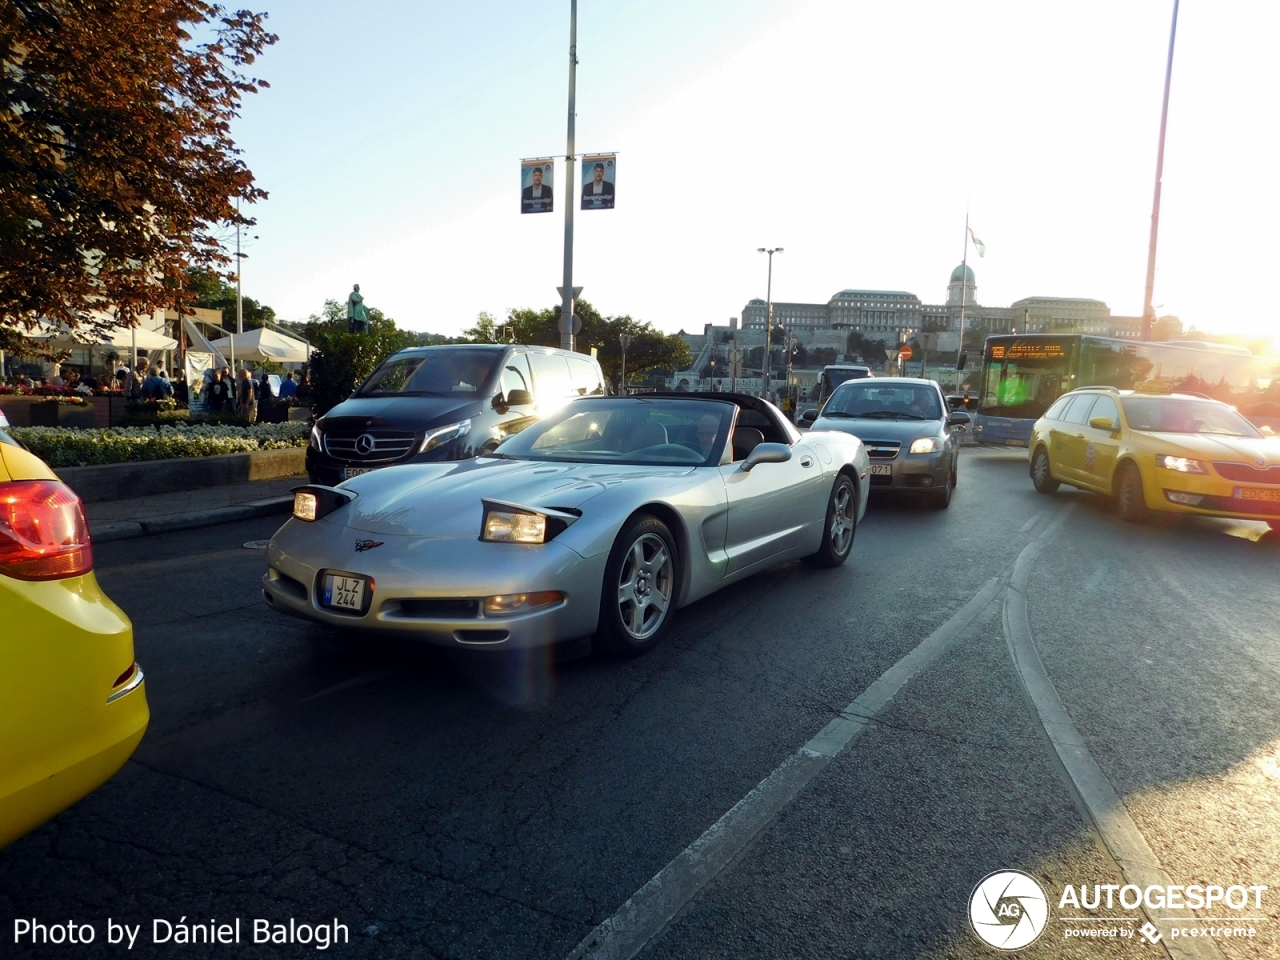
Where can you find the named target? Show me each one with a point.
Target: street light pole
(239, 265)
(1148, 311)
(567, 191)
(625, 340)
(768, 322)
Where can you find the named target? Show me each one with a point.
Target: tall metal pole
(239, 265)
(964, 292)
(1148, 311)
(567, 191)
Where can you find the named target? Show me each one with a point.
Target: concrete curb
(129, 529)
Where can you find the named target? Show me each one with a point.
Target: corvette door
(771, 506)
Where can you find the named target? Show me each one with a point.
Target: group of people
(228, 393)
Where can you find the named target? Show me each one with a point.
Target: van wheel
(1042, 474)
(1131, 503)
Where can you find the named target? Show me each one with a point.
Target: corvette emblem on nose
(363, 545)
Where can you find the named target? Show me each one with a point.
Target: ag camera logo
(1008, 910)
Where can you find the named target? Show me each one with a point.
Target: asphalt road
(441, 805)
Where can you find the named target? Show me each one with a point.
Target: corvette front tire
(638, 598)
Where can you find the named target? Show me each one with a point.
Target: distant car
(451, 402)
(72, 702)
(603, 518)
(1177, 453)
(906, 426)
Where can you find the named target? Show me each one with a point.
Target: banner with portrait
(535, 186)
(599, 174)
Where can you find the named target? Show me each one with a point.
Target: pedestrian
(220, 396)
(288, 388)
(264, 386)
(139, 376)
(157, 386)
(246, 396)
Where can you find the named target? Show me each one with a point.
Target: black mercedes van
(445, 403)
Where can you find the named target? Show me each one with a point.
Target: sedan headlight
(442, 435)
(926, 445)
(1181, 464)
(510, 523)
(315, 438)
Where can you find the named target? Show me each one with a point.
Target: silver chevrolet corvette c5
(602, 518)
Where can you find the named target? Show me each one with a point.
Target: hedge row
(62, 447)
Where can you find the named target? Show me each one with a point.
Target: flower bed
(60, 447)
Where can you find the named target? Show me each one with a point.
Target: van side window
(586, 380)
(516, 375)
(551, 376)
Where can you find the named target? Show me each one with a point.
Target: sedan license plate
(349, 472)
(343, 593)
(1253, 493)
(881, 470)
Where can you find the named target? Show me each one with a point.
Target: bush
(62, 447)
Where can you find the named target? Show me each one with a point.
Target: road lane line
(652, 907)
(357, 681)
(1030, 524)
(1097, 799)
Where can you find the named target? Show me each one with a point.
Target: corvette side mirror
(767, 453)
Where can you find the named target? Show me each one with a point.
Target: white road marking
(1096, 798)
(1030, 524)
(653, 906)
(357, 681)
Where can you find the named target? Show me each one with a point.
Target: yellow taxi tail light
(43, 533)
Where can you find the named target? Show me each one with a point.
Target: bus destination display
(1028, 351)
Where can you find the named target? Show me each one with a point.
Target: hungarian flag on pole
(982, 247)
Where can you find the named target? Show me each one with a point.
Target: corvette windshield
(1156, 415)
(868, 400)
(443, 372)
(628, 430)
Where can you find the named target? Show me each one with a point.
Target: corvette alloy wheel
(640, 587)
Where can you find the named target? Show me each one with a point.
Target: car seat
(745, 439)
(647, 434)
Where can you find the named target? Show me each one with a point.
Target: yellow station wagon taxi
(1179, 453)
(72, 703)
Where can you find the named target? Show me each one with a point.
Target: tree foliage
(649, 350)
(208, 289)
(116, 153)
(340, 360)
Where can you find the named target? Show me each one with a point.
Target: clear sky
(852, 133)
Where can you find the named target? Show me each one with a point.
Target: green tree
(208, 289)
(341, 360)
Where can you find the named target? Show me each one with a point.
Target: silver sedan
(602, 519)
(906, 426)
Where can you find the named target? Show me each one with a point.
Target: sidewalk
(184, 509)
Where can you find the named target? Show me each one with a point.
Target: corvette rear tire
(840, 526)
(1131, 503)
(641, 584)
(1042, 473)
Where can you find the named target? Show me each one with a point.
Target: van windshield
(449, 372)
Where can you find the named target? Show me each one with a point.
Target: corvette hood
(443, 500)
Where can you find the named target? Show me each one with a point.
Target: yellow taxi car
(1179, 453)
(72, 702)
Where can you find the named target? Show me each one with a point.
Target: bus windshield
(833, 376)
(1021, 378)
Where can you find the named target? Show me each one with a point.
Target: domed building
(962, 285)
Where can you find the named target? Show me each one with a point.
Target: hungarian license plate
(1014, 442)
(881, 469)
(349, 472)
(1253, 493)
(344, 593)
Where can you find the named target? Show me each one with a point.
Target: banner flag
(599, 172)
(535, 186)
(982, 247)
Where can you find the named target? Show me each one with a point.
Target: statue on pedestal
(357, 315)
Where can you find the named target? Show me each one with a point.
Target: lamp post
(625, 340)
(768, 321)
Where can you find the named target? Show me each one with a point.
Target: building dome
(962, 273)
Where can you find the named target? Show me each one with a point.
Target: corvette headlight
(1181, 464)
(506, 526)
(926, 445)
(315, 502)
(315, 438)
(442, 435)
(511, 523)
